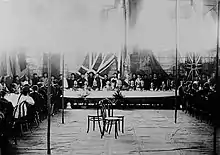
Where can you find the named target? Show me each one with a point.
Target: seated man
(132, 85)
(119, 84)
(107, 87)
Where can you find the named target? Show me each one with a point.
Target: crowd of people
(134, 82)
(23, 102)
(31, 93)
(199, 98)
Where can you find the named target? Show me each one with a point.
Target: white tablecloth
(127, 94)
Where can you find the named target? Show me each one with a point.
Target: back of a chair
(105, 108)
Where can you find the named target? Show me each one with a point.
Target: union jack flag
(193, 65)
(97, 63)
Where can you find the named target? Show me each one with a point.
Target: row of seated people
(199, 101)
(27, 109)
(96, 83)
(14, 84)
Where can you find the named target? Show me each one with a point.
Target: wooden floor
(146, 132)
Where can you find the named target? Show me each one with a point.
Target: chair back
(105, 108)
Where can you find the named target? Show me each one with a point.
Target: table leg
(123, 125)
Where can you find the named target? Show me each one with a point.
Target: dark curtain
(22, 60)
(55, 64)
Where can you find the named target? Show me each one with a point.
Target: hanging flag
(3, 64)
(100, 64)
(22, 60)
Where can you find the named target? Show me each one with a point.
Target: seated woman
(138, 82)
(26, 81)
(142, 85)
(95, 85)
(86, 87)
(75, 86)
(132, 85)
(113, 85)
(151, 86)
(163, 86)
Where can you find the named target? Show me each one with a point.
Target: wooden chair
(94, 118)
(106, 112)
(121, 117)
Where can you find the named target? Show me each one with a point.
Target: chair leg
(27, 126)
(107, 129)
(110, 127)
(93, 124)
(30, 127)
(15, 140)
(88, 125)
(100, 128)
(122, 125)
(21, 129)
(116, 130)
(119, 125)
(103, 130)
(37, 121)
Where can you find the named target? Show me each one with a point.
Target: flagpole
(176, 79)
(216, 78)
(125, 39)
(49, 104)
(63, 90)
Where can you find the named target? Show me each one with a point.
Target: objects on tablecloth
(68, 106)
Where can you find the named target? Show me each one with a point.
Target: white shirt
(23, 111)
(27, 98)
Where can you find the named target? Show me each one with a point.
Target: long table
(134, 99)
(126, 94)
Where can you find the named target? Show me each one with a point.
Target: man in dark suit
(6, 111)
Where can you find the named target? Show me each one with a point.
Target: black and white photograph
(109, 77)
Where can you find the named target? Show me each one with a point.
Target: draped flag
(144, 61)
(13, 63)
(55, 64)
(3, 64)
(97, 63)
